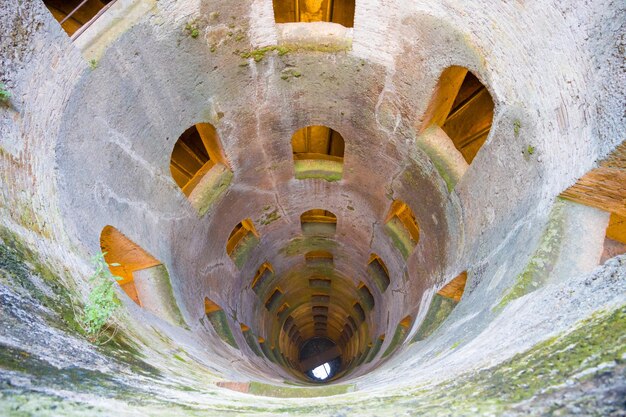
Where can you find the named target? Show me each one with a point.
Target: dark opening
(320, 359)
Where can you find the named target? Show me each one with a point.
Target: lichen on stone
(210, 188)
(540, 265)
(318, 169)
(400, 237)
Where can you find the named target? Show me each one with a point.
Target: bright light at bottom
(322, 371)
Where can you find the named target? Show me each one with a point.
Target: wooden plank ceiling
(61, 8)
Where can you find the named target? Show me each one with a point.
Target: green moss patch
(71, 378)
(363, 355)
(541, 264)
(242, 251)
(400, 237)
(320, 229)
(21, 268)
(302, 245)
(440, 156)
(366, 297)
(375, 349)
(594, 348)
(263, 283)
(438, 311)
(259, 54)
(269, 217)
(267, 390)
(318, 169)
(251, 340)
(398, 338)
(219, 321)
(596, 345)
(378, 275)
(210, 188)
(269, 354)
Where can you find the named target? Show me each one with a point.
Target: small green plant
(517, 125)
(192, 30)
(93, 64)
(96, 317)
(290, 73)
(5, 95)
(530, 149)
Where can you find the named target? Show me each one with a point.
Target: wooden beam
(603, 187)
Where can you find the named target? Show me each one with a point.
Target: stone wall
(85, 146)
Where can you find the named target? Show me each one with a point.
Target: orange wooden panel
(455, 288)
(118, 249)
(617, 228)
(210, 306)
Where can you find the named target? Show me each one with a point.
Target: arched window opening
(320, 328)
(463, 108)
(320, 283)
(319, 352)
(125, 257)
(360, 313)
(376, 348)
(377, 270)
(455, 288)
(366, 296)
(199, 167)
(241, 241)
(336, 11)
(320, 318)
(288, 323)
(365, 354)
(346, 334)
(292, 332)
(144, 278)
(442, 304)
(263, 276)
(402, 227)
(280, 359)
(74, 14)
(603, 188)
(320, 299)
(318, 222)
(319, 310)
(398, 337)
(283, 311)
(353, 324)
(318, 257)
(318, 153)
(250, 339)
(267, 350)
(274, 300)
(219, 321)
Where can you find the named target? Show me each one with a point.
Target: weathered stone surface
(540, 327)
